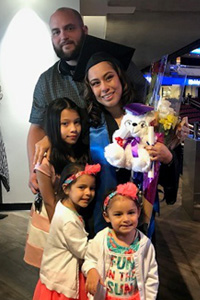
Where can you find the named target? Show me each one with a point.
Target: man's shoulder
(50, 76)
(52, 69)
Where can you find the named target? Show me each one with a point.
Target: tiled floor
(17, 279)
(178, 253)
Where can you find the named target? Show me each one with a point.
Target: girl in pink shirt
(64, 131)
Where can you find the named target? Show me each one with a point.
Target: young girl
(120, 262)
(63, 127)
(67, 241)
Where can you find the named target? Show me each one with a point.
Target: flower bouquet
(166, 104)
(166, 121)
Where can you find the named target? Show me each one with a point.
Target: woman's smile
(108, 96)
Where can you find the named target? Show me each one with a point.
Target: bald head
(67, 10)
(68, 33)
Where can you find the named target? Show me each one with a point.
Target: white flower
(164, 109)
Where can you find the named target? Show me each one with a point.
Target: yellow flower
(168, 122)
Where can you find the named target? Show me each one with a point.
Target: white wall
(25, 52)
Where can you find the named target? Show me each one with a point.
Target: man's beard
(72, 55)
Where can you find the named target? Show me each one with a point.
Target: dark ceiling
(156, 28)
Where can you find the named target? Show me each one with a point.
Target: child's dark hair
(69, 170)
(60, 151)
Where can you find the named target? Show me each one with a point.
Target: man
(68, 33)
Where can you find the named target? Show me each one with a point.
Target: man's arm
(35, 134)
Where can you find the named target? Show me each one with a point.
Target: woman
(107, 91)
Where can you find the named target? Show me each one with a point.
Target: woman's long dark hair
(60, 151)
(94, 108)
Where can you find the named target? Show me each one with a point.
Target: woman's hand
(41, 147)
(183, 129)
(159, 152)
(93, 278)
(182, 132)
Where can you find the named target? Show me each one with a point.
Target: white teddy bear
(127, 150)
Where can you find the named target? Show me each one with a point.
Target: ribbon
(120, 141)
(134, 141)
